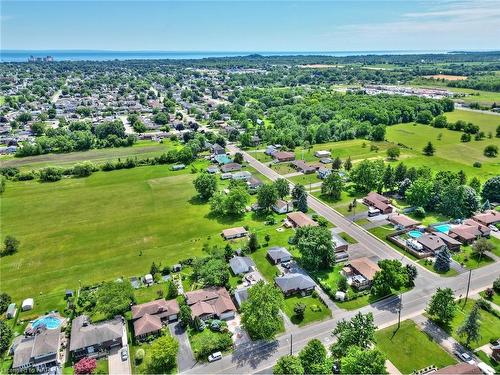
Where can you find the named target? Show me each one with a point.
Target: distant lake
(22, 56)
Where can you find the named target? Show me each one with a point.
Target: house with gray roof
(241, 265)
(37, 353)
(95, 340)
(293, 283)
(278, 255)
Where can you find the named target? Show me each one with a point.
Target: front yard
(489, 329)
(315, 310)
(410, 349)
(470, 260)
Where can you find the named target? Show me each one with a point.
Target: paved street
(261, 356)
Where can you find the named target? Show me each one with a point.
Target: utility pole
(468, 286)
(399, 310)
(291, 344)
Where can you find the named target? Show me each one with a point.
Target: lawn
(347, 238)
(306, 180)
(469, 260)
(486, 122)
(111, 224)
(142, 150)
(489, 361)
(495, 299)
(490, 324)
(315, 310)
(147, 294)
(346, 198)
(102, 367)
(451, 272)
(411, 349)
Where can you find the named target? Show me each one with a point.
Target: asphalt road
(259, 357)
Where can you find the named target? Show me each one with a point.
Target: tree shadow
(254, 352)
(197, 201)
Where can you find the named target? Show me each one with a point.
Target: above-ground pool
(443, 228)
(415, 233)
(50, 322)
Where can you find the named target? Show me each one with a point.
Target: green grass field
(411, 349)
(486, 122)
(111, 224)
(490, 324)
(315, 310)
(142, 150)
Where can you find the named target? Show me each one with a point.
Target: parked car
(124, 354)
(493, 228)
(466, 357)
(214, 357)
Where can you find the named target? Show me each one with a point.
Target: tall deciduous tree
(491, 189)
(114, 298)
(362, 361)
(287, 365)
(367, 175)
(206, 185)
(315, 246)
(282, 187)
(313, 357)
(332, 186)
(392, 276)
(442, 306)
(299, 196)
(267, 196)
(359, 331)
(261, 311)
(163, 354)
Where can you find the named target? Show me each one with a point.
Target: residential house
(27, 304)
(340, 244)
(469, 231)
(453, 244)
(483, 229)
(431, 242)
(212, 169)
(299, 219)
(96, 340)
(293, 283)
(360, 272)
(230, 167)
(217, 149)
(149, 318)
(282, 207)
(242, 175)
(378, 202)
(278, 255)
(495, 351)
(233, 233)
(462, 368)
(254, 183)
(302, 166)
(239, 264)
(270, 150)
(210, 303)
(241, 295)
(487, 218)
(325, 160)
(403, 221)
(283, 156)
(323, 173)
(37, 353)
(322, 154)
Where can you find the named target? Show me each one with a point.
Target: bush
(477, 164)
(84, 169)
(419, 212)
(26, 176)
(50, 174)
(139, 355)
(496, 285)
(207, 342)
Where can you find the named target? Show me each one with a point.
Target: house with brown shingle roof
(299, 219)
(150, 317)
(379, 202)
(489, 217)
(403, 221)
(214, 302)
(233, 233)
(282, 156)
(361, 272)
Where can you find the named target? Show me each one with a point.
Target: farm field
(410, 349)
(142, 149)
(485, 121)
(108, 225)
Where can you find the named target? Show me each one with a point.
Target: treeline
(484, 82)
(298, 116)
(78, 136)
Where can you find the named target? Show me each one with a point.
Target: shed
(340, 296)
(11, 311)
(27, 304)
(176, 267)
(148, 279)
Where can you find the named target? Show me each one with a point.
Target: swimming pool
(443, 228)
(415, 233)
(50, 322)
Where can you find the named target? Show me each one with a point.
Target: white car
(493, 228)
(124, 354)
(214, 357)
(466, 357)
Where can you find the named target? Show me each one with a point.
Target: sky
(253, 25)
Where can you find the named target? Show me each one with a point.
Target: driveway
(240, 336)
(116, 365)
(185, 359)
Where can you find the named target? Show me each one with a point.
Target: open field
(108, 225)
(411, 349)
(447, 77)
(142, 149)
(479, 96)
(485, 121)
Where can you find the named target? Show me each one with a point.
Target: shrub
(419, 212)
(50, 174)
(139, 355)
(477, 164)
